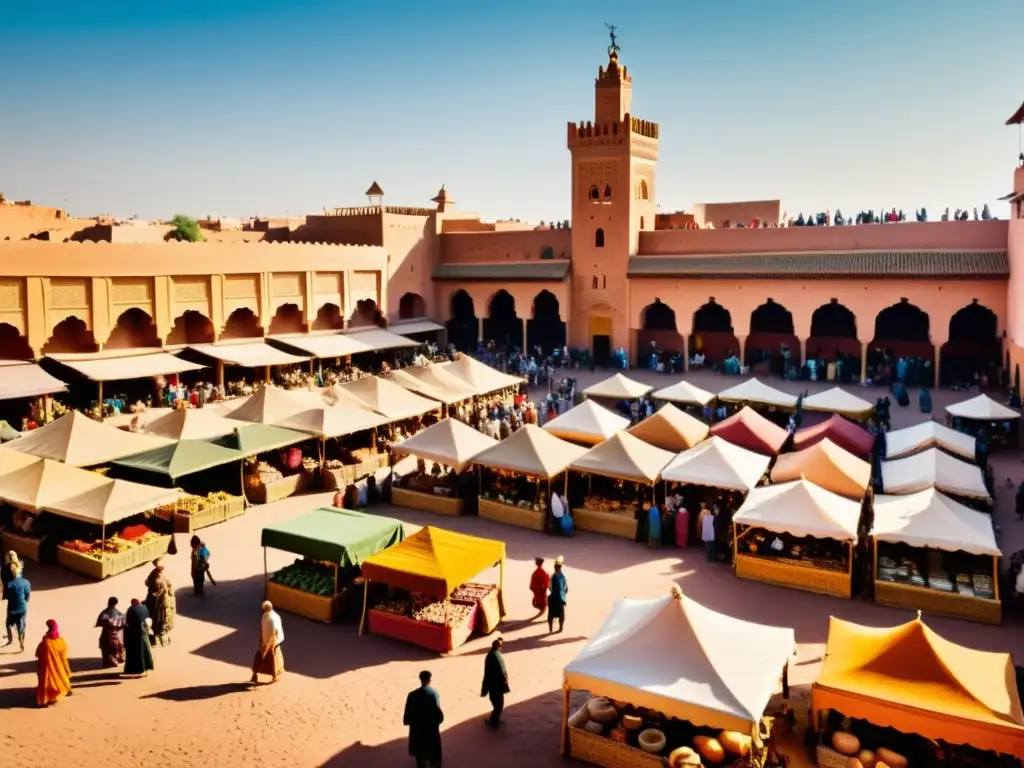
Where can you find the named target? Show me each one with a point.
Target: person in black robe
(138, 653)
(495, 683)
(423, 715)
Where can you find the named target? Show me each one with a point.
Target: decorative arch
(242, 324)
(713, 334)
(463, 325)
(607, 192)
(595, 193)
(70, 335)
(366, 314)
(411, 305)
(329, 318)
(903, 321)
(903, 330)
(658, 336)
(287, 319)
(502, 325)
(772, 345)
(834, 335)
(599, 238)
(134, 328)
(546, 328)
(659, 316)
(191, 327)
(974, 346)
(13, 345)
(643, 192)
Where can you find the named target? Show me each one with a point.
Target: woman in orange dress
(54, 667)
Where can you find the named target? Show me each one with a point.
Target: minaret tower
(614, 158)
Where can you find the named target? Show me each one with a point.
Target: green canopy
(335, 535)
(8, 433)
(251, 439)
(184, 457)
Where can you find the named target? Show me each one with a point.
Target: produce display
(266, 473)
(429, 610)
(907, 571)
(307, 576)
(190, 504)
(503, 499)
(472, 592)
(309, 465)
(113, 545)
(594, 503)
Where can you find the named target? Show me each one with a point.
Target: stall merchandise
(840, 431)
(916, 576)
(756, 392)
(716, 463)
(909, 679)
(529, 451)
(431, 564)
(264, 482)
(797, 535)
(685, 393)
(934, 469)
(190, 512)
(838, 401)
(700, 679)
(982, 408)
(332, 544)
(749, 429)
(112, 555)
(618, 387)
(588, 423)
(828, 466)
(671, 429)
(929, 434)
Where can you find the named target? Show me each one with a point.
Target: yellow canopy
(624, 457)
(618, 387)
(588, 422)
(671, 429)
(433, 561)
(827, 465)
(531, 451)
(113, 501)
(911, 679)
(447, 442)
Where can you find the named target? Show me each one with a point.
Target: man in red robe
(539, 584)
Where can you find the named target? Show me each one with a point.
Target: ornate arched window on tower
(595, 193)
(643, 193)
(593, 283)
(599, 238)
(607, 192)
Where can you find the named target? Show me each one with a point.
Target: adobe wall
(525, 245)
(413, 251)
(364, 228)
(522, 293)
(723, 214)
(1015, 286)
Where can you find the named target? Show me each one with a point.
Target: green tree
(185, 229)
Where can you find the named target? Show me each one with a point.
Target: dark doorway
(772, 346)
(974, 346)
(502, 325)
(328, 318)
(191, 328)
(602, 350)
(546, 328)
(287, 319)
(463, 326)
(659, 338)
(242, 324)
(833, 333)
(902, 331)
(134, 328)
(410, 306)
(13, 346)
(713, 334)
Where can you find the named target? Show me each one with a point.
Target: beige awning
(802, 509)
(982, 408)
(405, 327)
(434, 382)
(38, 486)
(20, 379)
(903, 442)
(123, 364)
(717, 463)
(271, 405)
(588, 422)
(671, 429)
(78, 441)
(333, 420)
(479, 376)
(684, 392)
(618, 387)
(190, 424)
(624, 457)
(757, 392)
(931, 519)
(11, 461)
(827, 465)
(531, 451)
(448, 442)
(321, 345)
(250, 354)
(934, 469)
(837, 400)
(386, 397)
(378, 340)
(140, 419)
(115, 500)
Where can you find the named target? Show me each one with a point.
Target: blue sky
(258, 107)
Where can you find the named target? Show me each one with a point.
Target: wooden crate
(209, 515)
(113, 564)
(267, 493)
(781, 574)
(981, 609)
(28, 547)
(339, 478)
(509, 515)
(623, 525)
(599, 750)
(451, 506)
(315, 607)
(233, 507)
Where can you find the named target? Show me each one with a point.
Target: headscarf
(135, 601)
(51, 630)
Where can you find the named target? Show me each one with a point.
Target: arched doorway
(134, 328)
(70, 335)
(328, 318)
(191, 328)
(903, 331)
(242, 324)
(659, 338)
(974, 346)
(463, 325)
(772, 345)
(13, 346)
(410, 306)
(713, 334)
(287, 319)
(546, 328)
(834, 339)
(366, 314)
(502, 325)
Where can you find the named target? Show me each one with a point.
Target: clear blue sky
(259, 107)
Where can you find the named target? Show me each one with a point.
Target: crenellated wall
(526, 245)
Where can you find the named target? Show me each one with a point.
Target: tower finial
(613, 49)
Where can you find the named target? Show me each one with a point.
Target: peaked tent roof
(624, 457)
(930, 519)
(270, 404)
(114, 500)
(329, 534)
(532, 451)
(840, 431)
(587, 422)
(671, 429)
(756, 391)
(618, 387)
(254, 353)
(684, 392)
(345, 418)
(321, 345)
(43, 483)
(717, 463)
(20, 378)
(78, 441)
(934, 469)
(253, 439)
(749, 429)
(387, 398)
(184, 457)
(826, 465)
(122, 364)
(11, 461)
(982, 408)
(481, 377)
(801, 508)
(903, 442)
(912, 679)
(448, 442)
(838, 400)
(674, 655)
(434, 382)
(190, 424)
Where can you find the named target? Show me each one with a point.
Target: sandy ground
(341, 702)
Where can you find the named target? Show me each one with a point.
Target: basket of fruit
(265, 483)
(308, 589)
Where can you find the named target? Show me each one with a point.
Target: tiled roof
(547, 270)
(922, 265)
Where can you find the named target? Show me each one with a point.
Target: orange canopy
(827, 465)
(911, 679)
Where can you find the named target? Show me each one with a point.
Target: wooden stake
(366, 594)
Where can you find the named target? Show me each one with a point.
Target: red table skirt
(434, 637)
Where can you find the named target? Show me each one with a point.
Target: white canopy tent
(684, 392)
(20, 379)
(448, 442)
(717, 463)
(838, 400)
(618, 387)
(934, 469)
(930, 519)
(588, 423)
(78, 441)
(757, 392)
(332, 420)
(321, 345)
(250, 354)
(624, 457)
(928, 434)
(122, 364)
(481, 377)
(422, 325)
(982, 408)
(379, 340)
(800, 508)
(190, 424)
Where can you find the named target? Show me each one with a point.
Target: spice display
(307, 576)
(113, 545)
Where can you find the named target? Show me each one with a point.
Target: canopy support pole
(566, 691)
(99, 396)
(874, 563)
(735, 545)
(366, 594)
(995, 576)
(266, 586)
(241, 479)
(266, 375)
(103, 532)
(220, 375)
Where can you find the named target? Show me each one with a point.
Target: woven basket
(829, 758)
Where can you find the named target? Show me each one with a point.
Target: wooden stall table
(795, 574)
(112, 563)
(621, 524)
(450, 506)
(507, 513)
(28, 547)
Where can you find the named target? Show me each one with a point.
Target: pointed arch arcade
(502, 325)
(974, 346)
(713, 333)
(834, 338)
(191, 327)
(903, 330)
(463, 324)
(411, 306)
(134, 328)
(658, 338)
(772, 338)
(545, 329)
(70, 335)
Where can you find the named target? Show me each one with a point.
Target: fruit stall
(670, 682)
(431, 601)
(449, 443)
(907, 696)
(934, 554)
(331, 543)
(191, 512)
(797, 535)
(517, 472)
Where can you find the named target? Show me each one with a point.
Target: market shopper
(495, 684)
(423, 716)
(269, 659)
(54, 671)
(17, 594)
(539, 584)
(707, 534)
(138, 653)
(161, 603)
(111, 626)
(200, 566)
(558, 596)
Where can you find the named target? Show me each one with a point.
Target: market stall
(1001, 423)
(686, 394)
(797, 535)
(929, 434)
(838, 401)
(268, 473)
(629, 469)
(934, 554)
(934, 469)
(386, 397)
(332, 544)
(482, 378)
(914, 698)
(21, 379)
(670, 678)
(618, 387)
(716, 463)
(588, 424)
(840, 431)
(749, 429)
(245, 356)
(434, 382)
(432, 604)
(189, 424)
(449, 443)
(755, 393)
(518, 471)
(828, 466)
(670, 429)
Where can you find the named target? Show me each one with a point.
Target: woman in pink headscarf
(54, 667)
